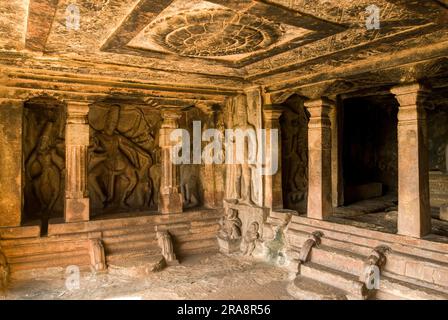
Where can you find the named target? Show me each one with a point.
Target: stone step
(137, 266)
(150, 229)
(121, 255)
(213, 248)
(390, 287)
(49, 261)
(197, 245)
(338, 259)
(335, 278)
(48, 256)
(188, 237)
(42, 248)
(400, 254)
(304, 288)
(415, 267)
(140, 245)
(130, 237)
(170, 220)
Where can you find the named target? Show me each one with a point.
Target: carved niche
(44, 159)
(124, 167)
(191, 179)
(294, 126)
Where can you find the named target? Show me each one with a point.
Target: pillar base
(170, 203)
(77, 210)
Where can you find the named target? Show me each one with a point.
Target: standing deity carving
(240, 175)
(119, 166)
(44, 163)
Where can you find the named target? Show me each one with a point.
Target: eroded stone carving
(240, 176)
(189, 185)
(313, 240)
(274, 243)
(214, 32)
(295, 158)
(44, 162)
(377, 258)
(121, 160)
(230, 225)
(165, 242)
(97, 255)
(250, 239)
(229, 235)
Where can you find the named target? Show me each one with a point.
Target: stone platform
(414, 268)
(124, 238)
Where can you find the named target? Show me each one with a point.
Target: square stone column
(170, 198)
(319, 159)
(207, 170)
(414, 216)
(77, 206)
(11, 179)
(337, 179)
(273, 191)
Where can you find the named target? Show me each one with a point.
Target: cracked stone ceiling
(249, 42)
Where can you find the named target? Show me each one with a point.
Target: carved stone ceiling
(251, 39)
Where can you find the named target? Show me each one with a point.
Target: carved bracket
(373, 265)
(305, 251)
(97, 255)
(165, 242)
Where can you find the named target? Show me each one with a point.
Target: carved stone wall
(44, 159)
(124, 164)
(294, 126)
(191, 180)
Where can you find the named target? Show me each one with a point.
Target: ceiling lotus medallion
(214, 33)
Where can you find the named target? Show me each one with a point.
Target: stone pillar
(273, 191)
(170, 198)
(208, 170)
(414, 216)
(11, 182)
(337, 181)
(319, 159)
(76, 147)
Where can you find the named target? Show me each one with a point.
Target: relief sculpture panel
(294, 124)
(44, 160)
(123, 159)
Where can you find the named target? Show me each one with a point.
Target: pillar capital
(77, 112)
(411, 94)
(170, 116)
(321, 102)
(272, 111)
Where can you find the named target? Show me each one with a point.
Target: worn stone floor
(380, 214)
(211, 276)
